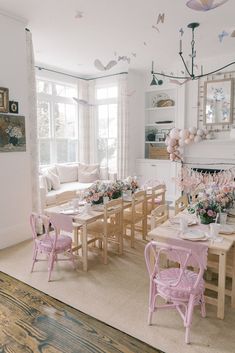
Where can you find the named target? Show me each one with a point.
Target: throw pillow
(89, 177)
(49, 183)
(88, 168)
(67, 173)
(54, 180)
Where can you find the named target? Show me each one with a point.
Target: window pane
(112, 92)
(45, 152)
(103, 120)
(59, 116)
(62, 151)
(102, 152)
(112, 154)
(71, 92)
(113, 120)
(43, 114)
(71, 121)
(60, 90)
(101, 93)
(44, 87)
(72, 151)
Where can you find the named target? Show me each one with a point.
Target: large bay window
(57, 122)
(107, 126)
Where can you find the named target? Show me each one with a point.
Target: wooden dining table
(79, 221)
(168, 231)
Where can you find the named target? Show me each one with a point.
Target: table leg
(233, 278)
(221, 285)
(75, 235)
(84, 247)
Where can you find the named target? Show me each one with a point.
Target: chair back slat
(180, 204)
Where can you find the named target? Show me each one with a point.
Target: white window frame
(52, 99)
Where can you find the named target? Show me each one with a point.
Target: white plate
(69, 212)
(227, 229)
(191, 222)
(194, 235)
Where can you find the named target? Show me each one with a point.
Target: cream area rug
(117, 294)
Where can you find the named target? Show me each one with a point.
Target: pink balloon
(174, 133)
(181, 142)
(170, 149)
(184, 134)
(187, 141)
(172, 142)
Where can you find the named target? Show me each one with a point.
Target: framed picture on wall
(218, 102)
(4, 100)
(12, 133)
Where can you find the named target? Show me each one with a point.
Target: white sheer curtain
(84, 121)
(122, 144)
(32, 123)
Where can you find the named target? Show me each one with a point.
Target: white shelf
(156, 142)
(161, 108)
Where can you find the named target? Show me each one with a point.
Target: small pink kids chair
(180, 287)
(50, 243)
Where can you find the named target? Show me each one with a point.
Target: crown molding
(14, 17)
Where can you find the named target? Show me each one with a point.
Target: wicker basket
(158, 152)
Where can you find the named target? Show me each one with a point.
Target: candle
(180, 45)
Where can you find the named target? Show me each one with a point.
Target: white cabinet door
(164, 171)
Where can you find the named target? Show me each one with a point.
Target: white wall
(15, 183)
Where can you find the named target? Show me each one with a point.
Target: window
(57, 122)
(106, 99)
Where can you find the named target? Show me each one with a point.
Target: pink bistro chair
(180, 287)
(50, 243)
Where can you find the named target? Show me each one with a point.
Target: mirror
(218, 102)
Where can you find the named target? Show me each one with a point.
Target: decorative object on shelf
(165, 103)
(164, 122)
(159, 98)
(13, 107)
(218, 101)
(178, 138)
(12, 133)
(189, 70)
(151, 135)
(204, 5)
(4, 100)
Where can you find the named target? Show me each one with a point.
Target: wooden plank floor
(33, 322)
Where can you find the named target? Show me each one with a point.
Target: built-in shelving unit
(160, 116)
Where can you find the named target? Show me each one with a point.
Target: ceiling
(109, 29)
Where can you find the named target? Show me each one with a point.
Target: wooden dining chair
(181, 203)
(158, 216)
(156, 196)
(136, 216)
(109, 229)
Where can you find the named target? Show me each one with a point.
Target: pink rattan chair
(50, 243)
(180, 287)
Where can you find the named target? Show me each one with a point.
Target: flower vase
(98, 201)
(206, 219)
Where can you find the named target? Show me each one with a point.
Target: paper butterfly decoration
(222, 35)
(161, 18)
(204, 5)
(181, 32)
(98, 64)
(79, 14)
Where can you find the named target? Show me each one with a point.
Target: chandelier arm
(185, 65)
(171, 76)
(213, 72)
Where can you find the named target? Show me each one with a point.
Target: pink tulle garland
(190, 180)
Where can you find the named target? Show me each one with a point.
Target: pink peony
(210, 213)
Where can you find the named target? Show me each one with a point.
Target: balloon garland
(177, 139)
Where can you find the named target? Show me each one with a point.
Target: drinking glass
(223, 218)
(214, 232)
(183, 224)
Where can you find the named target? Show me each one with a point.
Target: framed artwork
(218, 102)
(12, 133)
(4, 100)
(13, 107)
